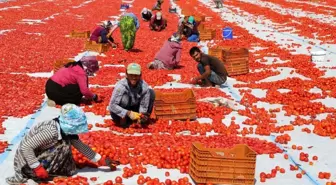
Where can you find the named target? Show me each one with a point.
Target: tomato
(118, 179)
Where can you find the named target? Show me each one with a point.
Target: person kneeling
(212, 70)
(146, 14)
(169, 55)
(45, 151)
(157, 22)
(132, 100)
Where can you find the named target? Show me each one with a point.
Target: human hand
(134, 115)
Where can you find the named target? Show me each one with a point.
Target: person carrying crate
(169, 55)
(146, 14)
(129, 25)
(212, 70)
(132, 99)
(157, 22)
(103, 34)
(45, 151)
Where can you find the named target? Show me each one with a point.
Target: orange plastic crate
(80, 34)
(60, 63)
(236, 61)
(93, 46)
(207, 34)
(176, 105)
(222, 166)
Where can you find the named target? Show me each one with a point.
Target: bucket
(227, 33)
(318, 56)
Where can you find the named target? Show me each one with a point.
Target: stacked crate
(235, 59)
(207, 34)
(80, 34)
(93, 46)
(234, 166)
(60, 63)
(175, 105)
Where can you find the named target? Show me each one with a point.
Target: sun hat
(134, 69)
(73, 120)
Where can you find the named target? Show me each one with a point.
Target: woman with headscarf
(190, 30)
(70, 83)
(129, 25)
(45, 151)
(103, 34)
(146, 14)
(169, 55)
(158, 23)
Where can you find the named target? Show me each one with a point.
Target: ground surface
(284, 93)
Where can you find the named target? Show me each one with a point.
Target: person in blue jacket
(129, 25)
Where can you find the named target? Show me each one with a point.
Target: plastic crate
(80, 34)
(177, 105)
(236, 61)
(222, 166)
(93, 46)
(60, 63)
(207, 34)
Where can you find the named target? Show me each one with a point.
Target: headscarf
(73, 120)
(191, 19)
(175, 38)
(107, 24)
(90, 64)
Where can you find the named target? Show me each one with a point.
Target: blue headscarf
(73, 120)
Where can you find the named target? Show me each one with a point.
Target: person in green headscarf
(129, 24)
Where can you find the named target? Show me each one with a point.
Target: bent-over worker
(129, 24)
(157, 22)
(132, 99)
(103, 34)
(146, 14)
(169, 55)
(46, 149)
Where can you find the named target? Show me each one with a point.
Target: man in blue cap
(132, 99)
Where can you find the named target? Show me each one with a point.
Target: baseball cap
(134, 69)
(158, 15)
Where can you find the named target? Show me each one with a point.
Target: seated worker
(103, 34)
(157, 23)
(70, 83)
(190, 30)
(45, 151)
(132, 100)
(146, 14)
(129, 24)
(169, 55)
(219, 3)
(212, 70)
(157, 5)
(182, 21)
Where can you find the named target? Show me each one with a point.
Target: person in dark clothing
(158, 5)
(146, 14)
(45, 151)
(212, 70)
(157, 23)
(70, 83)
(103, 34)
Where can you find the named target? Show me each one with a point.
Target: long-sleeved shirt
(40, 138)
(73, 75)
(123, 94)
(169, 54)
(136, 20)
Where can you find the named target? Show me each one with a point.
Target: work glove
(144, 119)
(134, 116)
(40, 172)
(97, 99)
(106, 161)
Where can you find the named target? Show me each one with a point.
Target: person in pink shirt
(70, 83)
(169, 56)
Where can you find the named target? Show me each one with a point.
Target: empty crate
(222, 166)
(207, 34)
(175, 105)
(60, 63)
(80, 34)
(93, 46)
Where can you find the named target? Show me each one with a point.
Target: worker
(158, 23)
(190, 30)
(157, 5)
(212, 70)
(45, 151)
(132, 100)
(103, 34)
(219, 3)
(70, 83)
(129, 24)
(169, 55)
(181, 23)
(146, 14)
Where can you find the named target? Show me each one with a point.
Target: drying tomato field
(286, 103)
